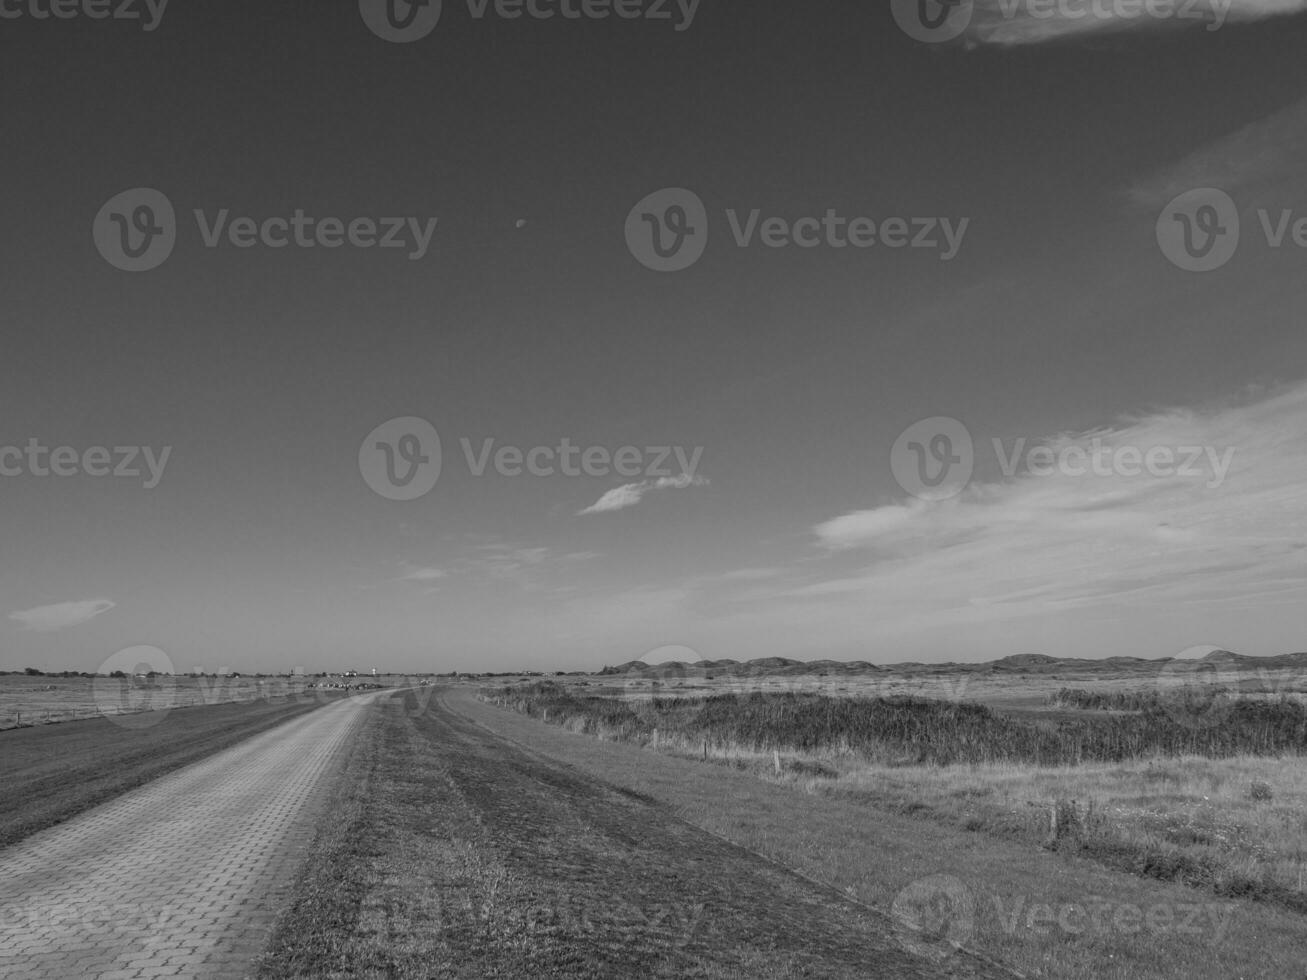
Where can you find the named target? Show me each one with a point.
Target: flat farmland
(1013, 692)
(38, 700)
(1192, 775)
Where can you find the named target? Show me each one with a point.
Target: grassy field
(1234, 827)
(44, 699)
(1210, 793)
(1013, 692)
(453, 852)
(49, 773)
(1049, 913)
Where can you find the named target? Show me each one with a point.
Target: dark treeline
(908, 730)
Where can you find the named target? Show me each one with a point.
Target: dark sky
(529, 321)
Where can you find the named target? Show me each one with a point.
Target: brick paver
(182, 877)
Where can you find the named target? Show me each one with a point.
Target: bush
(922, 731)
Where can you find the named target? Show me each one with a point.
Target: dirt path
(536, 869)
(181, 877)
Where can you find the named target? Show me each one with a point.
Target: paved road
(182, 877)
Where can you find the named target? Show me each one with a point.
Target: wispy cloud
(421, 573)
(1259, 155)
(1021, 22)
(619, 498)
(45, 619)
(1038, 543)
(532, 568)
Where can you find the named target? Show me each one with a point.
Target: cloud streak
(620, 498)
(419, 573)
(1043, 543)
(1009, 23)
(61, 615)
(1259, 156)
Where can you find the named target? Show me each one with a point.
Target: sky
(667, 242)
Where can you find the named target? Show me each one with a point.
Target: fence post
(776, 759)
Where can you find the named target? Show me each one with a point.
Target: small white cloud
(619, 498)
(750, 574)
(45, 619)
(417, 573)
(863, 526)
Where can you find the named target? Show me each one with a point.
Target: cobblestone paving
(180, 878)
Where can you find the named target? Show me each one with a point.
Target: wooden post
(705, 750)
(776, 759)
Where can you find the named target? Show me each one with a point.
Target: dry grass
(1233, 827)
(1122, 927)
(46, 699)
(1190, 818)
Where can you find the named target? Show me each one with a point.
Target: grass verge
(1048, 914)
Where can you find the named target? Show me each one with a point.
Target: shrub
(918, 730)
